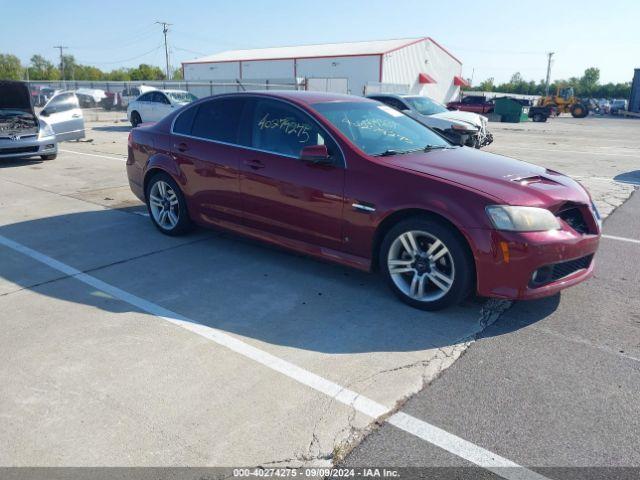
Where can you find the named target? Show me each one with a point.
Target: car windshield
(425, 105)
(181, 97)
(379, 129)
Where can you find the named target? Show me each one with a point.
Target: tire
(578, 110)
(413, 277)
(170, 218)
(538, 117)
(49, 157)
(135, 119)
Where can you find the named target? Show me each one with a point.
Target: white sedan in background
(153, 106)
(462, 128)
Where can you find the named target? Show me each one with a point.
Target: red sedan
(354, 181)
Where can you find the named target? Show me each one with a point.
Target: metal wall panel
(357, 70)
(403, 67)
(268, 69)
(211, 71)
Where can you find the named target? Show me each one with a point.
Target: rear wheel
(426, 264)
(166, 205)
(135, 119)
(539, 117)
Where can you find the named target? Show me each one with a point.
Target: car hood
(505, 179)
(468, 117)
(15, 96)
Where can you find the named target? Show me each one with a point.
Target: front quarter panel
(392, 191)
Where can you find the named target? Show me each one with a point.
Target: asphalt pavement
(553, 385)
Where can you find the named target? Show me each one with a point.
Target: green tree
(118, 75)
(589, 81)
(487, 85)
(146, 72)
(10, 67)
(177, 74)
(42, 69)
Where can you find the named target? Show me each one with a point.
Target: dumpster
(511, 110)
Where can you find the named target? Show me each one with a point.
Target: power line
(124, 60)
(165, 29)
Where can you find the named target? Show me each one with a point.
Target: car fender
(160, 161)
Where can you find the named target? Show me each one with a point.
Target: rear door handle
(76, 115)
(254, 164)
(182, 147)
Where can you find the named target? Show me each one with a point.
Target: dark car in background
(352, 181)
(473, 103)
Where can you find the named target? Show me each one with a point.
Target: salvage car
(350, 180)
(154, 105)
(121, 100)
(23, 134)
(462, 128)
(473, 103)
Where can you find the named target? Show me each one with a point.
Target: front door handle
(76, 115)
(182, 147)
(254, 164)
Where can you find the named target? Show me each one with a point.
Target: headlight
(522, 219)
(462, 128)
(45, 130)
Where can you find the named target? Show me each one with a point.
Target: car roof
(306, 97)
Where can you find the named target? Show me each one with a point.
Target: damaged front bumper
(476, 138)
(26, 147)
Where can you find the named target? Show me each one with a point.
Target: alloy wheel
(421, 266)
(164, 205)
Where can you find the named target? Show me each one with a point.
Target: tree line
(588, 85)
(39, 68)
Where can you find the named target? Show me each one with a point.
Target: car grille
(11, 151)
(551, 273)
(22, 137)
(575, 218)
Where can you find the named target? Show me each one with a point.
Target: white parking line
(621, 239)
(93, 155)
(430, 433)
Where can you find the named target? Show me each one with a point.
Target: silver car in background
(24, 135)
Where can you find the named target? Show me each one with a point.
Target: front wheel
(48, 157)
(166, 205)
(426, 264)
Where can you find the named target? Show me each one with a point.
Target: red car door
(283, 194)
(206, 145)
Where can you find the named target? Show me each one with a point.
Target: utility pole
(165, 29)
(546, 85)
(61, 61)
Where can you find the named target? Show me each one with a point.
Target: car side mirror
(318, 154)
(44, 113)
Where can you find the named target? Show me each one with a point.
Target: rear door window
(218, 120)
(184, 122)
(159, 97)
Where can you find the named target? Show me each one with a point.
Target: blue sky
(492, 38)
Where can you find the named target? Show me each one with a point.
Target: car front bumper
(28, 147)
(507, 261)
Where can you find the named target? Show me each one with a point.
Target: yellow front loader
(564, 101)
